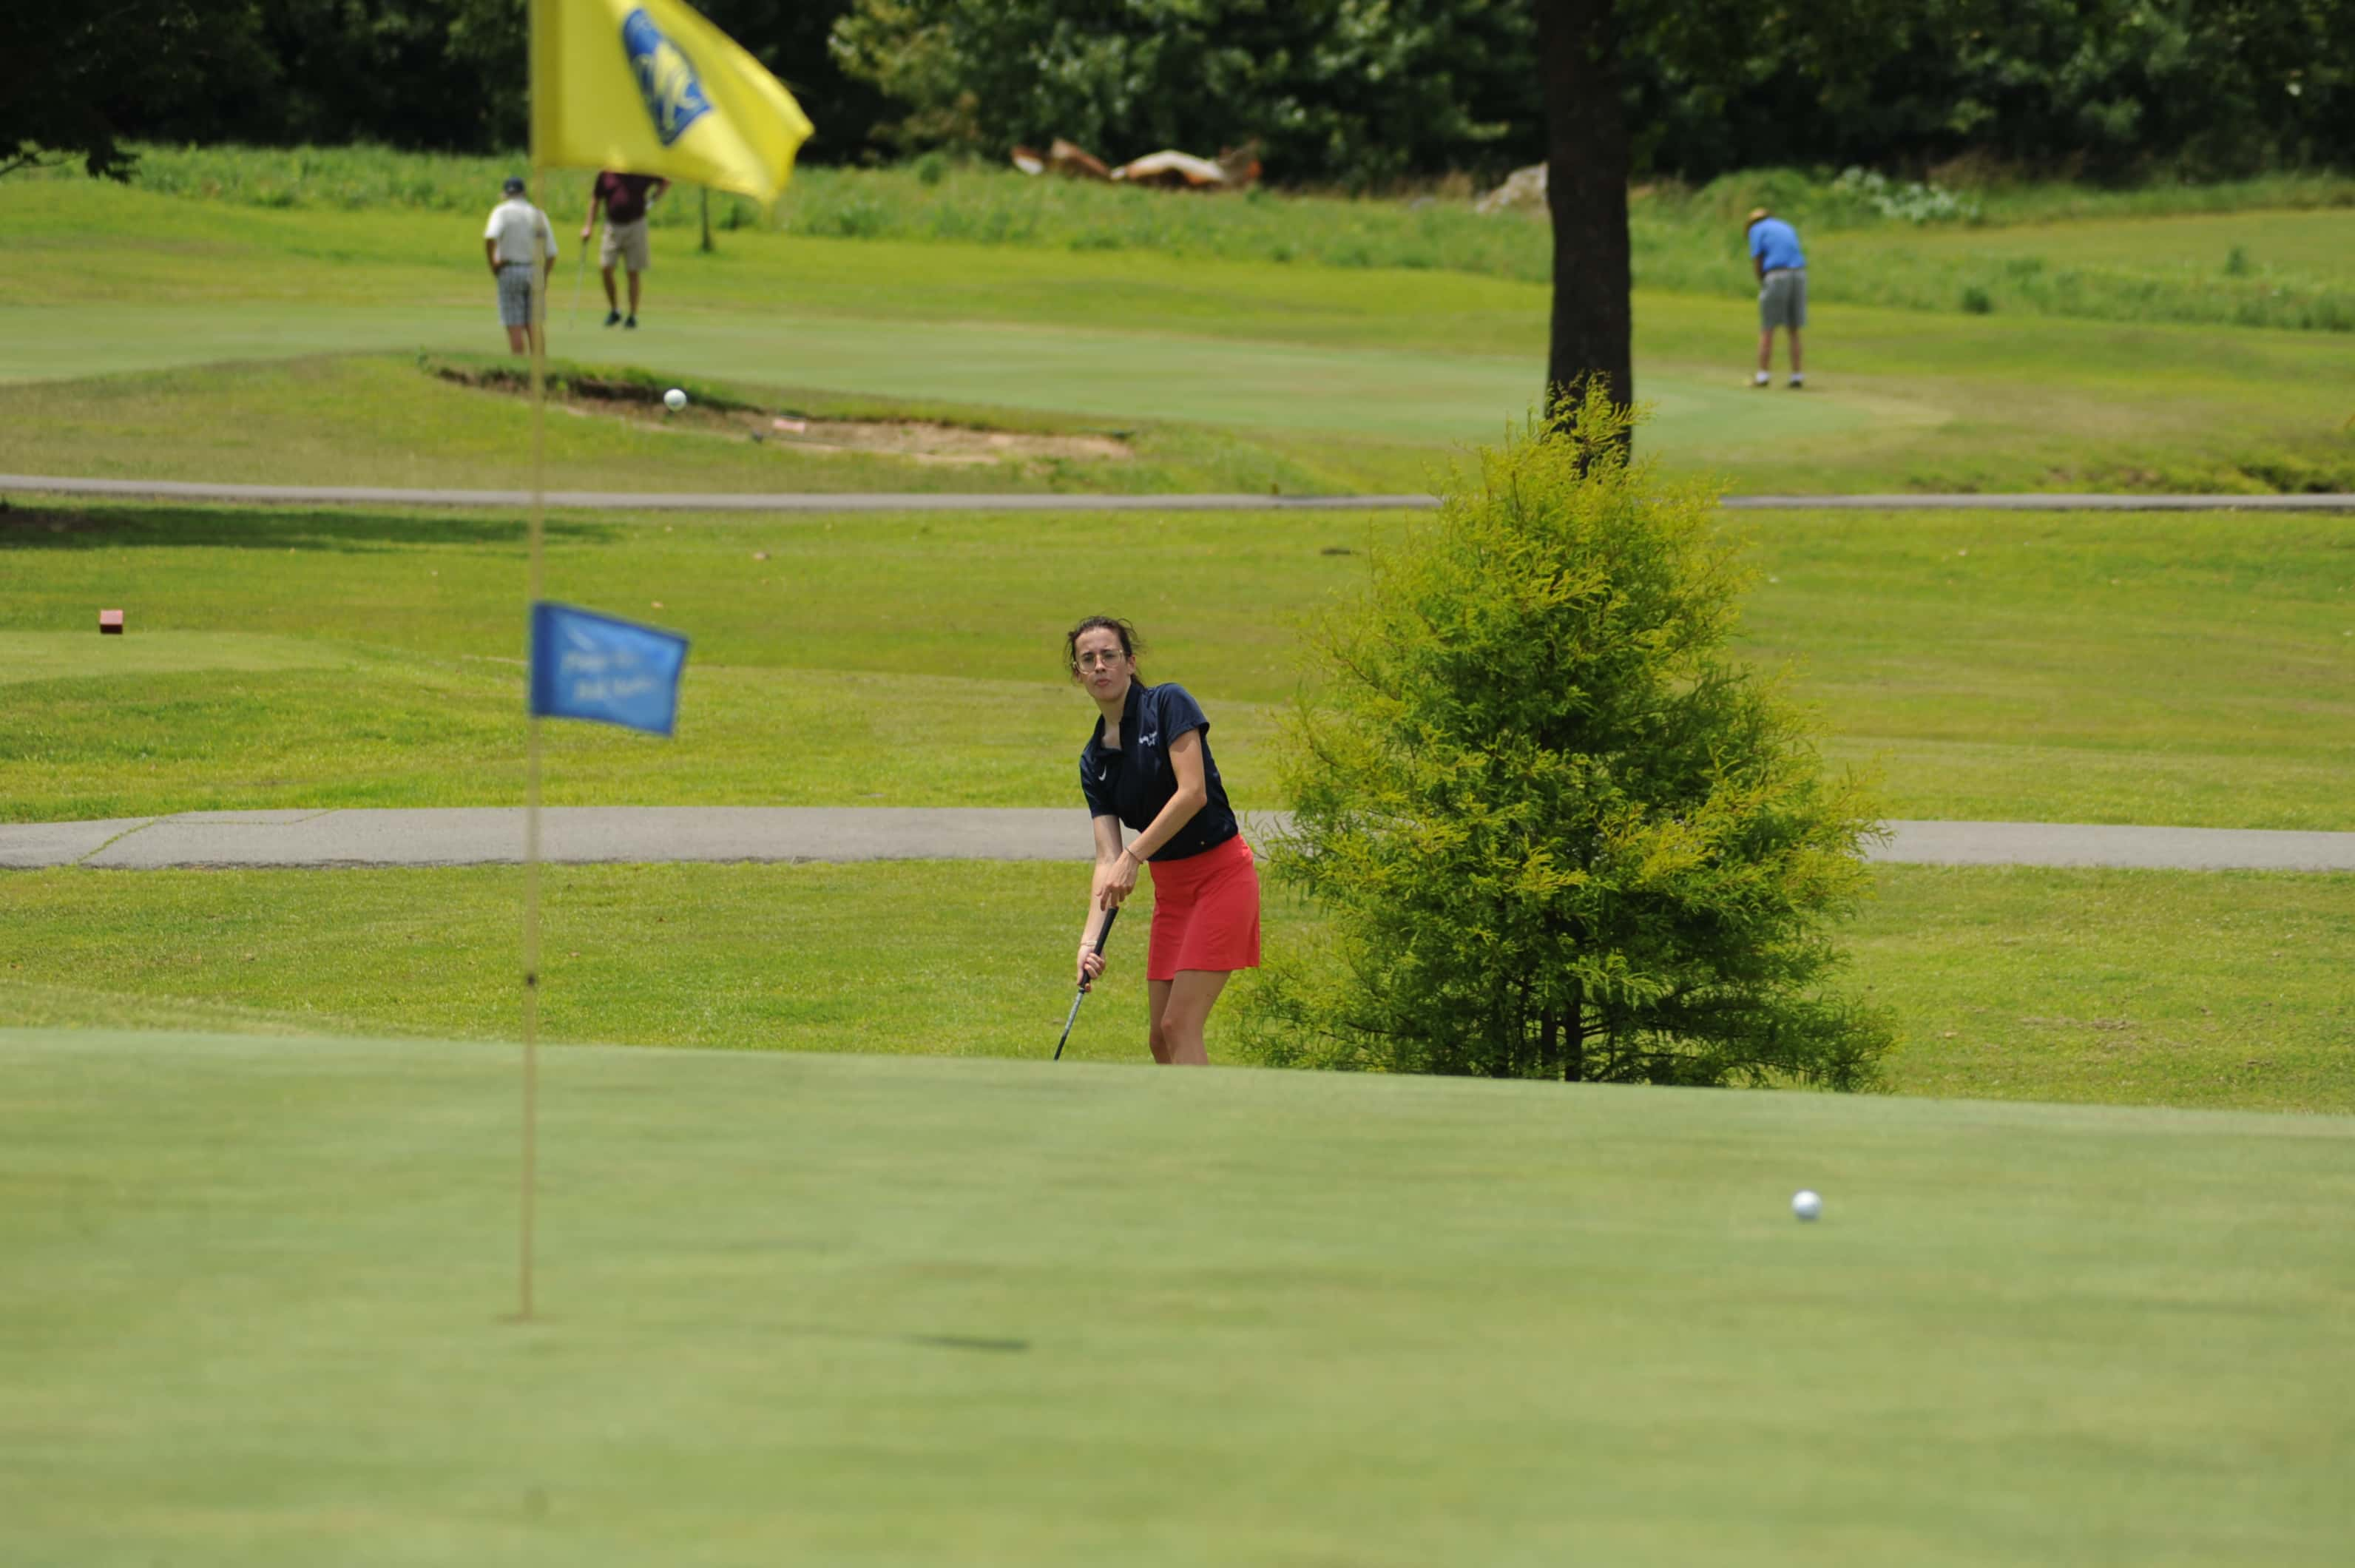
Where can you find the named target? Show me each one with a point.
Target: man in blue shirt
(1782, 269)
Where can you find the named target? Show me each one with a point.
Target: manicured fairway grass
(2171, 989)
(857, 1311)
(1387, 365)
(2127, 669)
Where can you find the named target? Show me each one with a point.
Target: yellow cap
(1758, 212)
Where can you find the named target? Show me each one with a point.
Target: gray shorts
(515, 293)
(1782, 299)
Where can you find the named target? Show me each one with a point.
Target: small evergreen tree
(1554, 830)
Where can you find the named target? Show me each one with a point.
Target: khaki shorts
(626, 241)
(1782, 299)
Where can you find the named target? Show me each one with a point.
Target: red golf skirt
(1205, 912)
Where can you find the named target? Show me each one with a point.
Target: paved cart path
(588, 835)
(673, 501)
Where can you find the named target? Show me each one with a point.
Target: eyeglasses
(1094, 661)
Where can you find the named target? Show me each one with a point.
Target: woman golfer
(1148, 766)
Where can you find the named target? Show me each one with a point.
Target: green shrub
(1553, 829)
(1976, 301)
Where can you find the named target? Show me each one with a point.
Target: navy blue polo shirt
(1134, 781)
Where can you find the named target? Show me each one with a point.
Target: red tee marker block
(109, 623)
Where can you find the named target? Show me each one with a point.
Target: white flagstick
(531, 776)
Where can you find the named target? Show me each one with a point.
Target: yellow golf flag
(648, 87)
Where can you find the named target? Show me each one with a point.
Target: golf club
(1074, 1016)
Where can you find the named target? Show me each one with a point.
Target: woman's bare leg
(1180, 1009)
(1157, 1003)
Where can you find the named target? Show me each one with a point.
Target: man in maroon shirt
(625, 199)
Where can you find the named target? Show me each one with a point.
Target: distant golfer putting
(625, 199)
(521, 247)
(1147, 767)
(1782, 269)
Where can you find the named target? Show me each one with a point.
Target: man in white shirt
(520, 247)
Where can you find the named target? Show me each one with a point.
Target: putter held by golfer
(1102, 936)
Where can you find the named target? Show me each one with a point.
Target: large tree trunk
(1586, 190)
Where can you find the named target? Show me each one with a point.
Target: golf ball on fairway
(1805, 1204)
(673, 400)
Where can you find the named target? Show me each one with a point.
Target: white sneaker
(1797, 381)
(1763, 379)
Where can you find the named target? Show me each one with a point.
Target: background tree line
(1348, 91)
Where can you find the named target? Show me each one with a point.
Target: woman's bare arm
(1192, 795)
(1108, 850)
(1116, 881)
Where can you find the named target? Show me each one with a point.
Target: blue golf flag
(587, 666)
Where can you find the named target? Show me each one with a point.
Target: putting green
(1417, 397)
(859, 1311)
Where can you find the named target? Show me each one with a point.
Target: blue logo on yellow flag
(587, 666)
(667, 78)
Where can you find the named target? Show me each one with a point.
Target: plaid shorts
(515, 293)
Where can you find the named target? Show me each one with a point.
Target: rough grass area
(2125, 988)
(2161, 669)
(866, 1312)
(2155, 988)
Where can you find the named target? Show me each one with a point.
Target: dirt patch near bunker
(921, 442)
(637, 400)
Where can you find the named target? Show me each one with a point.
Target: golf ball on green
(1805, 1204)
(673, 400)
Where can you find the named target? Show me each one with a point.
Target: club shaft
(1104, 935)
